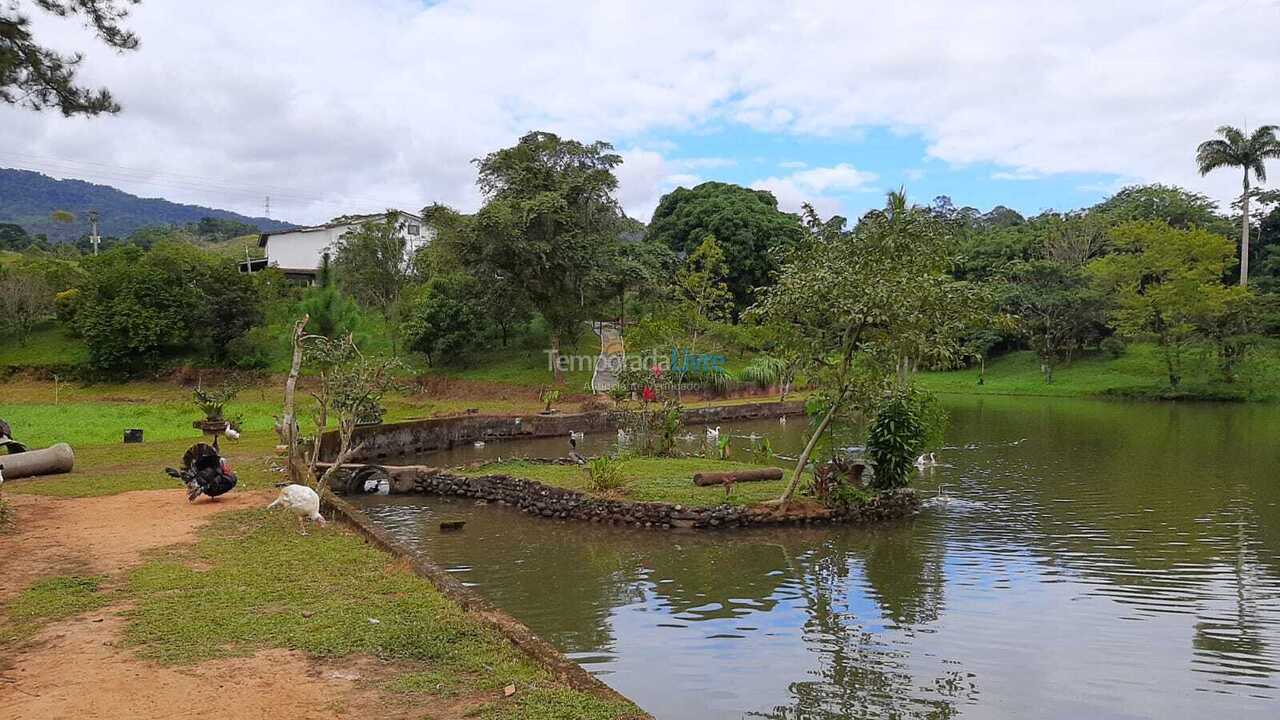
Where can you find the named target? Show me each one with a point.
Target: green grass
(47, 601)
(48, 345)
(253, 582)
(651, 480)
(1139, 373)
(524, 363)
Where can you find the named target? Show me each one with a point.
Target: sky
(341, 106)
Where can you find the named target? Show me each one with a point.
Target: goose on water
(926, 460)
(301, 501)
(713, 435)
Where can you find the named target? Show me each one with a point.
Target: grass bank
(1139, 373)
(650, 480)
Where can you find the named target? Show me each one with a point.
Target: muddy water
(1077, 559)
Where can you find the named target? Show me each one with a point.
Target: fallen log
(719, 478)
(48, 461)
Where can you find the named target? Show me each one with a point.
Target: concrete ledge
(415, 437)
(510, 628)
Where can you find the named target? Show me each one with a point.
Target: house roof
(340, 221)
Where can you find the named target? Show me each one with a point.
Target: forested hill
(28, 199)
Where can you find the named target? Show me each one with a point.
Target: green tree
(13, 237)
(444, 318)
(1058, 307)
(37, 77)
(864, 306)
(702, 280)
(1179, 208)
(1166, 283)
(136, 308)
(746, 223)
(549, 211)
(373, 264)
(1249, 153)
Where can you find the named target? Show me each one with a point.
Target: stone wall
(535, 498)
(421, 436)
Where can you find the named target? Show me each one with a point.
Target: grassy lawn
(651, 480)
(273, 588)
(1139, 373)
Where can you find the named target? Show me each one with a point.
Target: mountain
(28, 198)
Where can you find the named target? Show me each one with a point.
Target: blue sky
(896, 159)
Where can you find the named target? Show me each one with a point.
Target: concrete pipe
(49, 461)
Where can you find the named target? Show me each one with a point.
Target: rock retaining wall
(536, 498)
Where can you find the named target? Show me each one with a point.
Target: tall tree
(1167, 284)
(1249, 153)
(37, 77)
(548, 214)
(862, 305)
(747, 225)
(374, 265)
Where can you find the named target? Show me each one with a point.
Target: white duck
(301, 501)
(478, 443)
(713, 435)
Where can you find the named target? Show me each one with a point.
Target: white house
(299, 252)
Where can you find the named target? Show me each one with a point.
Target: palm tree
(1249, 153)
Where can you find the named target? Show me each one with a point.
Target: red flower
(657, 371)
(648, 394)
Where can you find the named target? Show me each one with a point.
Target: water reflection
(1121, 561)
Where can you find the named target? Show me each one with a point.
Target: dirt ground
(76, 669)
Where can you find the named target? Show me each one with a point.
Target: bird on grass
(301, 501)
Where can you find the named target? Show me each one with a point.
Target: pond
(1075, 559)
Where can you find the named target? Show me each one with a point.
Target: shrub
(604, 474)
(443, 319)
(136, 308)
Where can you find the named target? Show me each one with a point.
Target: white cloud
(334, 107)
(1020, 174)
(815, 185)
(793, 164)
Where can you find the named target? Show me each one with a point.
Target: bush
(896, 436)
(1113, 347)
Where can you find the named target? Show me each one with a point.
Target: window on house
(413, 229)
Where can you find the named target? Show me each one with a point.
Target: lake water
(1085, 559)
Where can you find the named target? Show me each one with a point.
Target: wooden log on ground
(49, 461)
(719, 478)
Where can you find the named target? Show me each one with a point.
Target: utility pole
(93, 234)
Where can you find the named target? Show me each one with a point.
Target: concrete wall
(390, 440)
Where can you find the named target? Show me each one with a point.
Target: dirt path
(76, 668)
(101, 535)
